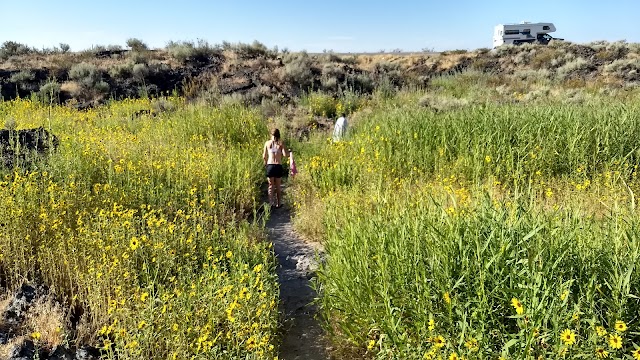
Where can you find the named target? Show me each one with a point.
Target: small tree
(137, 44)
(64, 48)
(50, 92)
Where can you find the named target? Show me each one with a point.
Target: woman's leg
(277, 185)
(271, 190)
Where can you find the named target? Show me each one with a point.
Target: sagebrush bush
(330, 70)
(12, 48)
(625, 69)
(249, 51)
(121, 70)
(188, 51)
(298, 70)
(543, 58)
(329, 83)
(360, 83)
(114, 47)
(531, 75)
(575, 68)
(140, 71)
(387, 71)
(22, 77)
(84, 71)
(89, 77)
(138, 57)
(442, 103)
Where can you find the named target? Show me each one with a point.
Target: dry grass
(309, 217)
(4, 303)
(46, 321)
(71, 87)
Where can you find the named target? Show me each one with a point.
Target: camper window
(546, 27)
(511, 32)
(526, 31)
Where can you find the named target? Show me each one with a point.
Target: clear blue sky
(342, 26)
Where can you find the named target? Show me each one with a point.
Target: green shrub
(321, 104)
(531, 75)
(385, 72)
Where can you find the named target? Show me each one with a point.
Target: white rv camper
(524, 32)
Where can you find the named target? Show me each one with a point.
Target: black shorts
(275, 171)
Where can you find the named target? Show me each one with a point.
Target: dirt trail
(303, 338)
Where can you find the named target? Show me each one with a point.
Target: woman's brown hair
(276, 134)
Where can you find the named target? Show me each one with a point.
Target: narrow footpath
(302, 337)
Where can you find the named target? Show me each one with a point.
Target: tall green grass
(437, 223)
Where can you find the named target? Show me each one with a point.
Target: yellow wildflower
(568, 337)
(615, 341)
(438, 341)
(564, 295)
(518, 306)
(621, 326)
(371, 344)
(602, 353)
(447, 298)
(134, 243)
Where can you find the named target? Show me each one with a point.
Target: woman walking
(272, 155)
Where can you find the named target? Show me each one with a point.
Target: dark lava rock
(19, 305)
(4, 337)
(87, 353)
(61, 353)
(18, 144)
(27, 351)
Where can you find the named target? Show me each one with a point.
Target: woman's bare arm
(265, 154)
